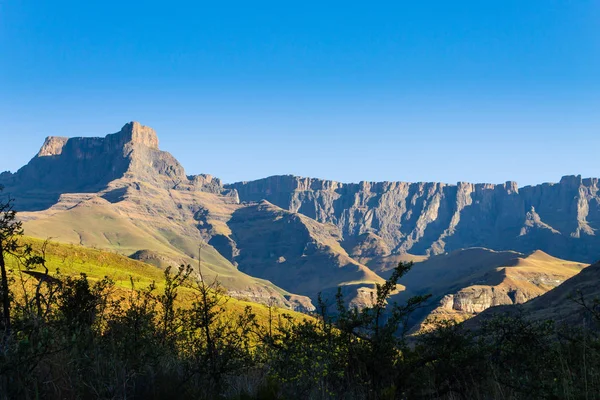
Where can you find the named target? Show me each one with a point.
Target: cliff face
(86, 163)
(433, 218)
(93, 164)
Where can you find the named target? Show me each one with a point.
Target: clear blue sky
(481, 91)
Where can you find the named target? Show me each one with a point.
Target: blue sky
(480, 91)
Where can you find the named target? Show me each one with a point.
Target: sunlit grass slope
(72, 260)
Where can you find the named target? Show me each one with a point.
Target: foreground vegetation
(69, 336)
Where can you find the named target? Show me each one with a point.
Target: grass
(127, 228)
(72, 260)
(480, 275)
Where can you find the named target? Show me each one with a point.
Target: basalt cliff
(561, 219)
(285, 239)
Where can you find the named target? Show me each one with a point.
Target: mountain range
(285, 239)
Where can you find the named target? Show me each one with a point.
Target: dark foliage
(71, 338)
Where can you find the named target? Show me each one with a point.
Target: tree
(10, 231)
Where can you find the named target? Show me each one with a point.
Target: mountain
(297, 253)
(466, 282)
(91, 165)
(287, 239)
(122, 193)
(561, 219)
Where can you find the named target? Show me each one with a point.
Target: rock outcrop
(467, 282)
(433, 218)
(53, 146)
(562, 304)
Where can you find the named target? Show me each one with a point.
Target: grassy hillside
(561, 304)
(466, 282)
(98, 223)
(298, 254)
(167, 225)
(72, 260)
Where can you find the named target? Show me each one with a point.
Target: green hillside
(159, 224)
(72, 260)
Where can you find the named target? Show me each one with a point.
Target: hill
(558, 304)
(72, 260)
(298, 254)
(467, 282)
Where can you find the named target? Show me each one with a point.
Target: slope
(297, 253)
(72, 260)
(371, 250)
(561, 304)
(467, 282)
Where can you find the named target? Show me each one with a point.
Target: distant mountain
(284, 238)
(123, 194)
(561, 219)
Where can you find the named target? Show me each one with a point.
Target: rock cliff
(433, 218)
(562, 304)
(121, 192)
(93, 164)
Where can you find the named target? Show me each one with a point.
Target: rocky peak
(53, 146)
(137, 133)
(571, 181)
(91, 164)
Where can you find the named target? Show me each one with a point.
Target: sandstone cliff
(467, 282)
(562, 304)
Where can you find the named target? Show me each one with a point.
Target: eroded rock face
(92, 164)
(53, 146)
(136, 133)
(467, 282)
(433, 218)
(473, 300)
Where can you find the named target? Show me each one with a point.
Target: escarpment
(433, 218)
(286, 239)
